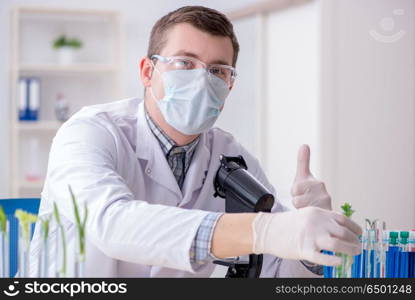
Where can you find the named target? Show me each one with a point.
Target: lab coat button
(148, 171)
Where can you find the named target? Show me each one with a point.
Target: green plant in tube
(80, 224)
(4, 244)
(3, 220)
(347, 210)
(58, 221)
(347, 260)
(25, 220)
(45, 222)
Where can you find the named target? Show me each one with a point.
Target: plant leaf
(56, 213)
(347, 209)
(3, 219)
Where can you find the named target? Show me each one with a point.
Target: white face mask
(192, 101)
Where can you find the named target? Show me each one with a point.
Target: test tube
(404, 254)
(79, 258)
(371, 254)
(347, 265)
(24, 236)
(356, 266)
(5, 252)
(363, 261)
(391, 255)
(61, 257)
(377, 249)
(383, 240)
(328, 270)
(383, 249)
(44, 256)
(412, 255)
(341, 271)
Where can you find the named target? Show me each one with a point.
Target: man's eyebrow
(194, 55)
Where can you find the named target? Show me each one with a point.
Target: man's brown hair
(203, 18)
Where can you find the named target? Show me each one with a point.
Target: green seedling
(347, 210)
(80, 224)
(58, 221)
(25, 220)
(347, 260)
(45, 222)
(4, 243)
(3, 220)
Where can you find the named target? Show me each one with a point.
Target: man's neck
(179, 138)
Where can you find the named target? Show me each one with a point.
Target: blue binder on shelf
(29, 98)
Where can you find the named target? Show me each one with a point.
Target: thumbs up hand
(307, 190)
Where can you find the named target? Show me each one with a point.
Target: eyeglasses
(224, 72)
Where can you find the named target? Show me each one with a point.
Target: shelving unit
(59, 69)
(37, 126)
(93, 78)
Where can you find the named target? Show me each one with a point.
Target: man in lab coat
(145, 170)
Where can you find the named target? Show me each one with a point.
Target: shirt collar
(167, 144)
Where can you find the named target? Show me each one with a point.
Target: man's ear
(146, 69)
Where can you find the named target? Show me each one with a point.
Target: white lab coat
(140, 224)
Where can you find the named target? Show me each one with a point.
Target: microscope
(242, 193)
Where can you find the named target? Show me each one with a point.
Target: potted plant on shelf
(66, 48)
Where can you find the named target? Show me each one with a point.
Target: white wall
(292, 92)
(329, 83)
(368, 109)
(240, 114)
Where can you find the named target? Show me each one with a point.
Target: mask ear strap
(154, 68)
(152, 94)
(151, 87)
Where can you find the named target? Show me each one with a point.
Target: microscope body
(242, 193)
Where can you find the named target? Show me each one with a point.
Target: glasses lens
(226, 74)
(181, 64)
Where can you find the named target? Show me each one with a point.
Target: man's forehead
(186, 40)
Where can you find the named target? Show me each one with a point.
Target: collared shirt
(179, 158)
